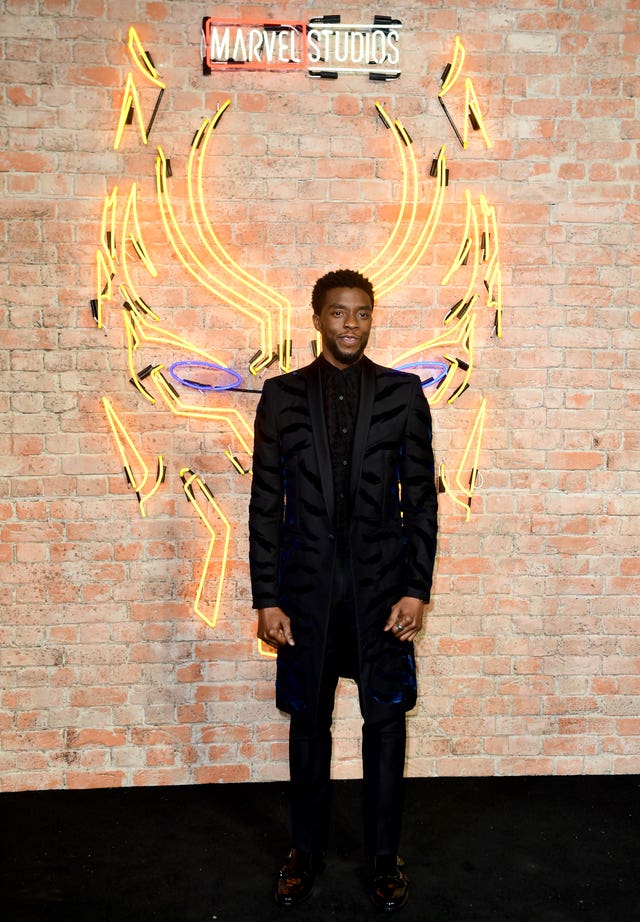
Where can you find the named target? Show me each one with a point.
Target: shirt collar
(327, 370)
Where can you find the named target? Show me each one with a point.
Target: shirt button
(344, 463)
(340, 396)
(344, 431)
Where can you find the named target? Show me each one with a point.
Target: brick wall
(530, 658)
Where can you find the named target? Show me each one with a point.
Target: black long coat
(392, 534)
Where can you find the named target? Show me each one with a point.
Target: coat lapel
(319, 430)
(363, 422)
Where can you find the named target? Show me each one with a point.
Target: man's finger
(288, 636)
(392, 620)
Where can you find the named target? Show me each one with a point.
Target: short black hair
(340, 278)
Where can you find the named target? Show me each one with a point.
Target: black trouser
(383, 748)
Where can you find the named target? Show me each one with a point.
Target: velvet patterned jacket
(392, 532)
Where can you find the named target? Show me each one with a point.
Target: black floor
(513, 849)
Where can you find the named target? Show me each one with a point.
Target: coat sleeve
(266, 504)
(419, 497)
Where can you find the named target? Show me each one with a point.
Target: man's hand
(405, 619)
(274, 627)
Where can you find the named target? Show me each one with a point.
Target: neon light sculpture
(444, 361)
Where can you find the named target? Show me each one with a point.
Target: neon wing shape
(205, 511)
(468, 465)
(223, 258)
(127, 451)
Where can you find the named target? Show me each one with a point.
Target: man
(342, 525)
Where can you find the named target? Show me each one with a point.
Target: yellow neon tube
(464, 504)
(215, 246)
(240, 469)
(131, 211)
(401, 148)
(491, 235)
(467, 346)
(495, 299)
(465, 243)
(189, 479)
(206, 278)
(474, 442)
(448, 338)
(385, 270)
(265, 650)
(138, 330)
(461, 335)
(490, 252)
(104, 287)
(137, 300)
(130, 99)
(123, 441)
(132, 344)
(470, 239)
(451, 79)
(154, 333)
(472, 107)
(201, 216)
(202, 274)
(400, 272)
(441, 388)
(141, 59)
(229, 415)
(493, 272)
(462, 305)
(108, 228)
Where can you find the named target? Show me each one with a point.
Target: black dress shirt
(340, 395)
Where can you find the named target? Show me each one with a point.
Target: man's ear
(316, 321)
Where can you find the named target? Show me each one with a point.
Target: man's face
(345, 324)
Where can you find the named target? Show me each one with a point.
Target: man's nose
(351, 320)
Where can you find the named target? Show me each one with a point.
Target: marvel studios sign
(324, 46)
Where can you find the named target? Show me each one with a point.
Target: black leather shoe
(296, 878)
(389, 887)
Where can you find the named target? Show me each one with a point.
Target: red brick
(76, 780)
(216, 774)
